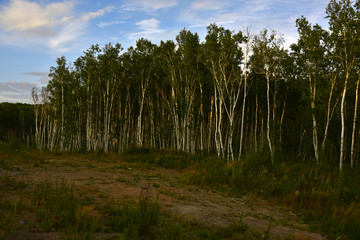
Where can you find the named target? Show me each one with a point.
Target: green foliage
(16, 121)
(8, 183)
(137, 150)
(10, 210)
(164, 158)
(8, 218)
(57, 206)
(142, 221)
(13, 144)
(146, 220)
(326, 198)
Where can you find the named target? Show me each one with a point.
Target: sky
(33, 33)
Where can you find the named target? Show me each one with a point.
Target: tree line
(233, 93)
(16, 121)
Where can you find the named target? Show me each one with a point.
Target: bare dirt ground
(120, 182)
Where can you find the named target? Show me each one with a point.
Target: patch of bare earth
(121, 182)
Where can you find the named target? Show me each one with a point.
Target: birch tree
(245, 73)
(224, 52)
(310, 50)
(344, 35)
(267, 50)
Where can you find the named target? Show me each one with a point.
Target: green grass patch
(146, 220)
(327, 199)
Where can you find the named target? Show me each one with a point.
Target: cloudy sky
(33, 33)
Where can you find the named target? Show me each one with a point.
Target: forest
(233, 93)
(232, 137)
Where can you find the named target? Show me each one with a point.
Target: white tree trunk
(354, 124)
(245, 74)
(342, 135)
(62, 115)
(256, 122)
(328, 115)
(268, 113)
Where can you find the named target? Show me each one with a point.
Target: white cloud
(207, 5)
(13, 91)
(22, 15)
(100, 12)
(108, 24)
(55, 24)
(20, 91)
(149, 24)
(236, 15)
(148, 28)
(44, 77)
(132, 5)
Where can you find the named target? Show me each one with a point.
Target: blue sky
(33, 33)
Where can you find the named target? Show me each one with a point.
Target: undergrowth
(326, 199)
(146, 220)
(56, 207)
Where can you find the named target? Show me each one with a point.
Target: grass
(147, 220)
(325, 199)
(58, 207)
(328, 200)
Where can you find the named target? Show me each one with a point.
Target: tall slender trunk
(328, 115)
(211, 114)
(62, 115)
(217, 141)
(315, 136)
(281, 123)
(312, 87)
(256, 122)
(268, 113)
(106, 117)
(342, 135)
(139, 121)
(245, 74)
(201, 120)
(354, 124)
(175, 116)
(222, 153)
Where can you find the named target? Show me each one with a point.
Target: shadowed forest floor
(99, 181)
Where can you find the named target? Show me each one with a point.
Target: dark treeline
(16, 121)
(233, 93)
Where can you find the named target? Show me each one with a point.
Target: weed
(8, 223)
(8, 183)
(57, 206)
(90, 166)
(84, 226)
(136, 221)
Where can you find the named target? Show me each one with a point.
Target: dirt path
(122, 182)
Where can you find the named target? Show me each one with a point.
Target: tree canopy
(185, 95)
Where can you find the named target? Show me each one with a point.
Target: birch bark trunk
(245, 74)
(268, 113)
(354, 124)
(342, 135)
(328, 115)
(62, 115)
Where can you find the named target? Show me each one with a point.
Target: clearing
(110, 179)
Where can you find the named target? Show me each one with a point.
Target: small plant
(84, 226)
(8, 218)
(56, 206)
(136, 221)
(143, 221)
(6, 182)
